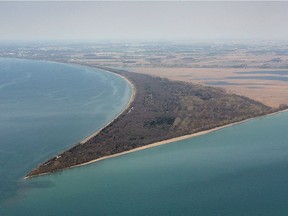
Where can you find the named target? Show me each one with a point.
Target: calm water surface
(45, 108)
(239, 170)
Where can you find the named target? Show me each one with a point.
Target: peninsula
(160, 110)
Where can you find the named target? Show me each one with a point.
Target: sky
(143, 20)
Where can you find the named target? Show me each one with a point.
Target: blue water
(47, 107)
(239, 170)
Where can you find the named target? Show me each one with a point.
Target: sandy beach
(133, 89)
(164, 142)
(152, 145)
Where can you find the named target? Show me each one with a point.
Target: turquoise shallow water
(239, 170)
(45, 108)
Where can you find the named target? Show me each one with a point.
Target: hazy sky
(143, 20)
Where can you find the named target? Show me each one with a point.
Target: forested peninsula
(159, 110)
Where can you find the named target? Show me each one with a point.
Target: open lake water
(45, 107)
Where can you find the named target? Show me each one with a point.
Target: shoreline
(163, 142)
(149, 145)
(132, 97)
(176, 139)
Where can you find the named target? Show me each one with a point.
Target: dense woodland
(162, 109)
